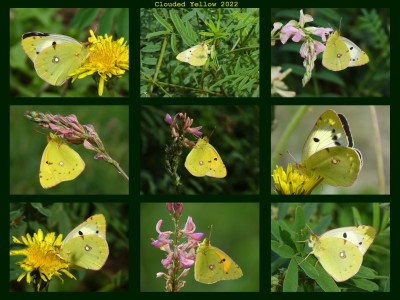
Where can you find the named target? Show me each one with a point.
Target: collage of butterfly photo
(155, 183)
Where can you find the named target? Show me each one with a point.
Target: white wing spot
(335, 161)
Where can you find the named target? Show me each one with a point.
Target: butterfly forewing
(330, 130)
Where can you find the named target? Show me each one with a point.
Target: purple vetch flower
(183, 126)
(189, 229)
(168, 119)
(163, 238)
(289, 31)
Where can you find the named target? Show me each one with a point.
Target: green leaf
(282, 250)
(292, 277)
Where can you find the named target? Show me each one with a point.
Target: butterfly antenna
(210, 229)
(212, 132)
(310, 229)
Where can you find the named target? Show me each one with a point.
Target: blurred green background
(361, 124)
(234, 134)
(62, 218)
(322, 217)
(368, 28)
(28, 141)
(73, 22)
(235, 231)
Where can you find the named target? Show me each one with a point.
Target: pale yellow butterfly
(328, 151)
(55, 56)
(195, 56)
(340, 251)
(341, 53)
(86, 245)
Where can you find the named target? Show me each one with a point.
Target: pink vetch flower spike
(178, 130)
(183, 255)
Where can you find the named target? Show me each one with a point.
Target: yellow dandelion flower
(42, 261)
(107, 58)
(292, 182)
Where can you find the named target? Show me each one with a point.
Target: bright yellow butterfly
(86, 245)
(341, 53)
(59, 163)
(212, 265)
(204, 160)
(195, 56)
(55, 56)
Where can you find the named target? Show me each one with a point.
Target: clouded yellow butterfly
(59, 163)
(328, 151)
(195, 56)
(55, 56)
(204, 160)
(86, 245)
(341, 53)
(213, 265)
(340, 251)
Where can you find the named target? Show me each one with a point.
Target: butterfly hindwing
(339, 166)
(195, 56)
(340, 259)
(212, 265)
(55, 56)
(204, 160)
(340, 251)
(59, 163)
(341, 53)
(86, 245)
(336, 56)
(54, 64)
